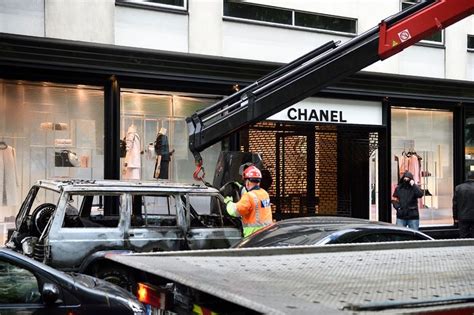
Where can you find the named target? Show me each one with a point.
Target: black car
(30, 287)
(328, 230)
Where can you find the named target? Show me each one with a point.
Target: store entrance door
(321, 169)
(295, 173)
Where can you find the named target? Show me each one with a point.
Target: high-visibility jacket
(254, 208)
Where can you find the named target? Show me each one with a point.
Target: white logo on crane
(404, 35)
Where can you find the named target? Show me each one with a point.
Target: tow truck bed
(334, 279)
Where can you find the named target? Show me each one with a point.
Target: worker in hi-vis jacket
(254, 205)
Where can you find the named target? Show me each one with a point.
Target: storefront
(332, 156)
(316, 150)
(66, 116)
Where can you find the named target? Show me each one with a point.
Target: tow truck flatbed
(400, 277)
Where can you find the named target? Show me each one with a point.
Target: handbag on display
(123, 148)
(66, 158)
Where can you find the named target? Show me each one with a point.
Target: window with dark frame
(176, 4)
(436, 37)
(257, 13)
(470, 42)
(260, 13)
(324, 22)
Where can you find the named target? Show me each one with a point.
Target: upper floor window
(470, 42)
(437, 37)
(165, 4)
(260, 13)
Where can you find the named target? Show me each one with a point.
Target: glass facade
(469, 143)
(46, 131)
(422, 142)
(152, 116)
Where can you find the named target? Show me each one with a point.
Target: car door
(20, 291)
(155, 223)
(88, 222)
(208, 227)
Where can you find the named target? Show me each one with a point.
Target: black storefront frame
(457, 108)
(70, 62)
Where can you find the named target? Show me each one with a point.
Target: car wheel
(41, 216)
(117, 276)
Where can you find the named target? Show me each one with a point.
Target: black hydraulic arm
(287, 86)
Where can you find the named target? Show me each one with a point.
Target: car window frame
(64, 200)
(33, 273)
(391, 234)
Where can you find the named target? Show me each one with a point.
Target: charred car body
(72, 225)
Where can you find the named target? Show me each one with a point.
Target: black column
(112, 129)
(385, 171)
(459, 144)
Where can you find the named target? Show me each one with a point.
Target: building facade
(78, 77)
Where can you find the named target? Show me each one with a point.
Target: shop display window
(422, 142)
(47, 131)
(154, 136)
(469, 147)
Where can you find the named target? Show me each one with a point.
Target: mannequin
(163, 155)
(132, 158)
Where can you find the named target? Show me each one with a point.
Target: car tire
(117, 275)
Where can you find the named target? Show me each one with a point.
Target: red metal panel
(422, 24)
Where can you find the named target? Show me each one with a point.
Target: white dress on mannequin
(132, 158)
(9, 182)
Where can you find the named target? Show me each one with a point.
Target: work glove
(412, 182)
(228, 199)
(238, 185)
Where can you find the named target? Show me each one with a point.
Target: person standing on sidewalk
(405, 201)
(463, 207)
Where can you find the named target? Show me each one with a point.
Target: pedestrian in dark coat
(463, 207)
(405, 201)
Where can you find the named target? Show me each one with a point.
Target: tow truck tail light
(151, 295)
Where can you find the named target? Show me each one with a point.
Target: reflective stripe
(262, 224)
(250, 230)
(232, 209)
(199, 310)
(257, 206)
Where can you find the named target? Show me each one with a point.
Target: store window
(422, 142)
(46, 131)
(155, 137)
(469, 144)
(260, 13)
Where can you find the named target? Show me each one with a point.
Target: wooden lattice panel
(326, 172)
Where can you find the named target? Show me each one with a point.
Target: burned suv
(72, 225)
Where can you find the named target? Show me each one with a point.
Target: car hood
(100, 285)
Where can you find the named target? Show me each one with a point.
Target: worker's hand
(228, 199)
(412, 182)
